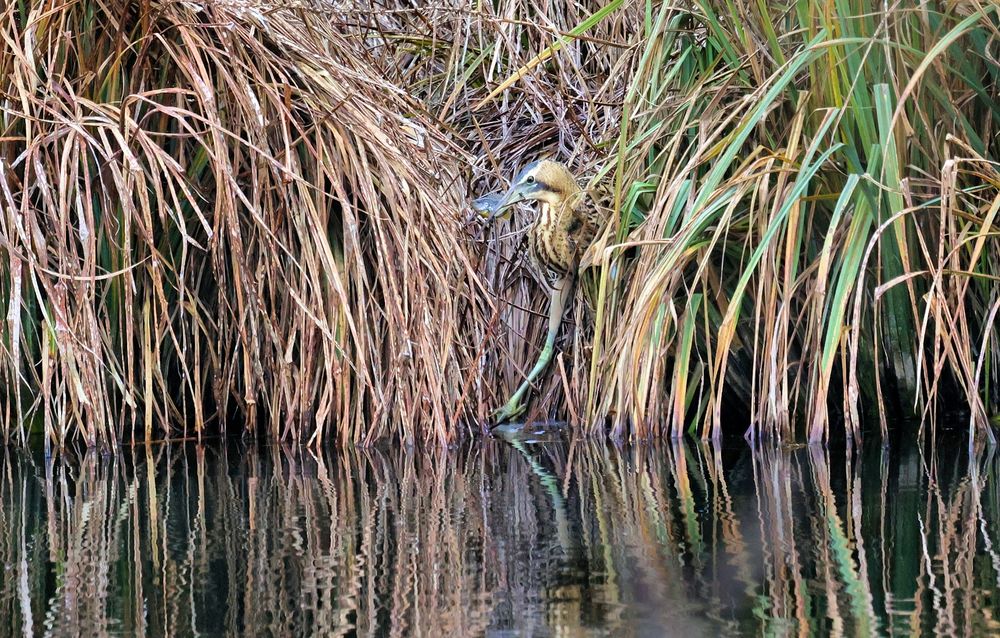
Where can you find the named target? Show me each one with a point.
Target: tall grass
(254, 214)
(818, 222)
(217, 215)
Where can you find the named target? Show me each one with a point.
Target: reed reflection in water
(579, 539)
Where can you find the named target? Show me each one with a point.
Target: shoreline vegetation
(241, 212)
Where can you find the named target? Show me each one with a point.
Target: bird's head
(542, 181)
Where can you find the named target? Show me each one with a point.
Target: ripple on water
(518, 538)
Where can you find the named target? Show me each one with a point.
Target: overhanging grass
(217, 216)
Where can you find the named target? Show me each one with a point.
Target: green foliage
(832, 186)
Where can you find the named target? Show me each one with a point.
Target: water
(491, 540)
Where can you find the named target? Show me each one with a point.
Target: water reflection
(496, 540)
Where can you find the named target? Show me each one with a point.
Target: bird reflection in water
(536, 539)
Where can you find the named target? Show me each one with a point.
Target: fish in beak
(486, 204)
(511, 197)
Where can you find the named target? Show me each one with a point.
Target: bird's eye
(531, 179)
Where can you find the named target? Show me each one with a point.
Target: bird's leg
(557, 303)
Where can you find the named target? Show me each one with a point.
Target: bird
(562, 230)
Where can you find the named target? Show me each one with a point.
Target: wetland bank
(254, 214)
(246, 228)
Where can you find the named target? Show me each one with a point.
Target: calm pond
(548, 539)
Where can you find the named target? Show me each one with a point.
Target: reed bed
(212, 215)
(256, 214)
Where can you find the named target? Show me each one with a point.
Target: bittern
(561, 232)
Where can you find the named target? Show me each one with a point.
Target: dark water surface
(549, 539)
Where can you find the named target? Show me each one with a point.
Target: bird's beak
(511, 197)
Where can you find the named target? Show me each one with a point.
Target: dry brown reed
(213, 212)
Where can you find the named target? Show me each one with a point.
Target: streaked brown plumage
(564, 226)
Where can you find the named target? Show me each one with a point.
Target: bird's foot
(510, 411)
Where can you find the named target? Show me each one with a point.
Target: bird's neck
(543, 216)
(560, 201)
